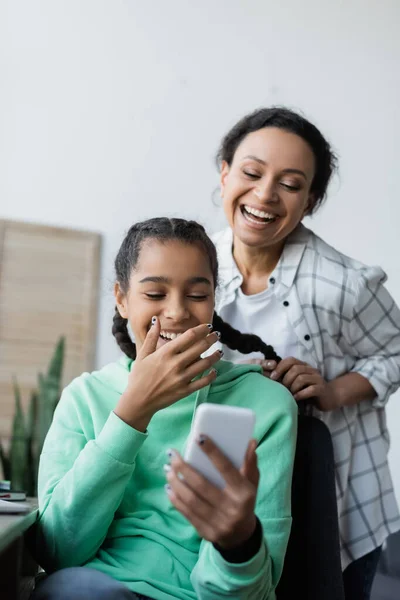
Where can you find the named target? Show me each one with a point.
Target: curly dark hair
(187, 232)
(283, 118)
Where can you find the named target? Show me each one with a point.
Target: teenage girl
(121, 513)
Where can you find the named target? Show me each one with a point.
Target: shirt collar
(228, 269)
(284, 272)
(286, 269)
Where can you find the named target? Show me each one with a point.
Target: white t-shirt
(261, 313)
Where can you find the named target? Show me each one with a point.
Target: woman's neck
(256, 264)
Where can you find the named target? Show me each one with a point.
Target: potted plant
(20, 464)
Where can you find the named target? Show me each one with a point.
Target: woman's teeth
(260, 214)
(169, 336)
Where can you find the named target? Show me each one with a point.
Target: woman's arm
(349, 389)
(371, 335)
(81, 484)
(306, 383)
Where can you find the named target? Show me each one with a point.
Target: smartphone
(230, 428)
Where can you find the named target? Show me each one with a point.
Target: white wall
(110, 112)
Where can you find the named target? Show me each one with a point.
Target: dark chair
(387, 579)
(312, 567)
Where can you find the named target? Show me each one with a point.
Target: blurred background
(111, 112)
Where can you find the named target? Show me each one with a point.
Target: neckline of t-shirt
(267, 293)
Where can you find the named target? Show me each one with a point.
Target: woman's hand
(305, 383)
(267, 365)
(224, 517)
(160, 377)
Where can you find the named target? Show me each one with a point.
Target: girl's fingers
(202, 526)
(151, 340)
(250, 466)
(188, 339)
(198, 384)
(194, 481)
(189, 486)
(202, 365)
(230, 474)
(193, 353)
(251, 448)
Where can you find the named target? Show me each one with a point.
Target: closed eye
(291, 188)
(198, 298)
(251, 175)
(155, 296)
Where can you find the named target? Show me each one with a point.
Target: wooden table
(12, 550)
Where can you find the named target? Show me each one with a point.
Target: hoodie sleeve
(81, 484)
(213, 577)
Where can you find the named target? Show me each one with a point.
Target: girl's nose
(176, 311)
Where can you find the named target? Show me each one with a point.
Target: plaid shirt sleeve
(373, 333)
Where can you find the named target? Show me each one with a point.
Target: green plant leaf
(49, 393)
(5, 463)
(19, 444)
(57, 360)
(32, 453)
(32, 414)
(44, 414)
(22, 462)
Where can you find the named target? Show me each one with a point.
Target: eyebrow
(159, 279)
(262, 162)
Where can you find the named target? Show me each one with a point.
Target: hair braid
(121, 334)
(243, 342)
(188, 232)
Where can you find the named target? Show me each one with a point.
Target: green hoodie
(102, 499)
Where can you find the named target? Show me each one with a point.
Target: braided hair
(243, 342)
(187, 232)
(121, 334)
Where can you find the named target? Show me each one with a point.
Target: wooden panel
(49, 282)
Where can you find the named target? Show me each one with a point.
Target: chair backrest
(312, 567)
(389, 563)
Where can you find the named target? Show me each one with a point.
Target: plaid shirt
(346, 321)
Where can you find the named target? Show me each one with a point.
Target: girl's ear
(120, 300)
(224, 173)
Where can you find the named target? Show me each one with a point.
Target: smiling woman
(327, 315)
(259, 174)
